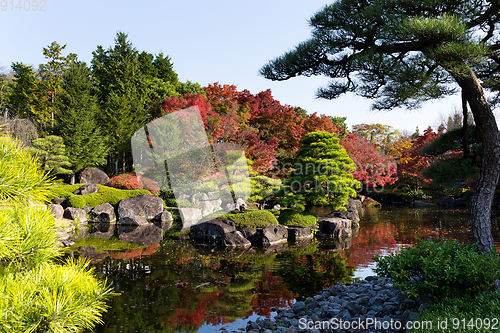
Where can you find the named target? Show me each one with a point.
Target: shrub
(104, 194)
(129, 181)
(440, 268)
(251, 218)
(295, 217)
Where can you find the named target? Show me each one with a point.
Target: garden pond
(184, 286)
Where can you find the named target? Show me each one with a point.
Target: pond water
(182, 286)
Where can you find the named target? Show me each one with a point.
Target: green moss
(251, 218)
(295, 217)
(104, 194)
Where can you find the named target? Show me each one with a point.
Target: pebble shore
(369, 305)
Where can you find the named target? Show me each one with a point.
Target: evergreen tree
(39, 295)
(404, 52)
(122, 91)
(321, 175)
(51, 154)
(77, 120)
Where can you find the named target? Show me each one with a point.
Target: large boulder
(104, 213)
(235, 239)
(57, 211)
(61, 201)
(296, 233)
(350, 214)
(144, 235)
(86, 189)
(93, 176)
(334, 226)
(274, 234)
(145, 205)
(75, 214)
(190, 217)
(213, 230)
(133, 220)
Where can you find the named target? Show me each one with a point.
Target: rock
(248, 232)
(104, 213)
(143, 235)
(57, 211)
(296, 233)
(350, 214)
(61, 201)
(369, 202)
(241, 204)
(166, 220)
(145, 205)
(133, 220)
(86, 189)
(235, 239)
(93, 176)
(213, 230)
(336, 227)
(277, 207)
(274, 234)
(75, 213)
(190, 217)
(87, 209)
(206, 208)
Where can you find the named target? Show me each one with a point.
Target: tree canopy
(401, 53)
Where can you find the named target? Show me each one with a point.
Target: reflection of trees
(178, 289)
(308, 273)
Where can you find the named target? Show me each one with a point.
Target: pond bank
(369, 305)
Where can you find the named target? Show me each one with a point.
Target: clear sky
(208, 41)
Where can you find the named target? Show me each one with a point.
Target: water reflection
(178, 286)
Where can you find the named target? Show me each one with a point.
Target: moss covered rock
(252, 218)
(295, 217)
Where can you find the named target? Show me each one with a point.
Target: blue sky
(208, 41)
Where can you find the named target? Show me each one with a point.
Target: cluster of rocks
(369, 305)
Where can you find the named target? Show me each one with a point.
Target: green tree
(321, 174)
(401, 53)
(122, 91)
(76, 121)
(25, 100)
(51, 152)
(39, 295)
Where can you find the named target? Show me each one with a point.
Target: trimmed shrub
(104, 194)
(295, 217)
(440, 268)
(251, 218)
(129, 181)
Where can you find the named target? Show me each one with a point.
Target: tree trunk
(72, 181)
(465, 125)
(490, 166)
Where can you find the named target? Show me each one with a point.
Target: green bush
(440, 268)
(465, 314)
(104, 194)
(251, 218)
(295, 217)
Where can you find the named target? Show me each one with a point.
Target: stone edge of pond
(345, 307)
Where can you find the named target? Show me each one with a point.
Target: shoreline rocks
(369, 305)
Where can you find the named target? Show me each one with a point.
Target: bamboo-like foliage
(21, 178)
(38, 294)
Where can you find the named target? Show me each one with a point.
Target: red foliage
(129, 181)
(412, 162)
(373, 168)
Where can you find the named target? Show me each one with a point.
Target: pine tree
(321, 176)
(76, 120)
